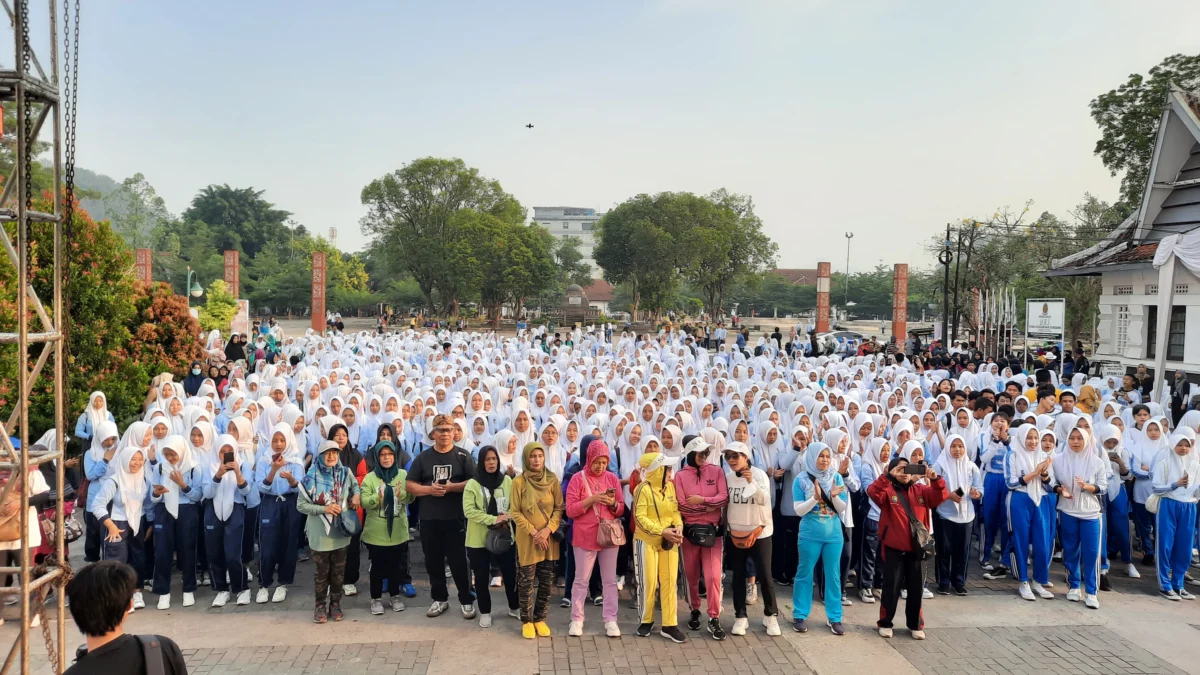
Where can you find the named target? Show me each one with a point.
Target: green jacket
(375, 524)
(475, 509)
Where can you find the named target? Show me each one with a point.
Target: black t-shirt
(455, 466)
(124, 655)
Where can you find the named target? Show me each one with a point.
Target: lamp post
(193, 288)
(849, 236)
(945, 257)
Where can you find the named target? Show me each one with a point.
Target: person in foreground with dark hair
(101, 596)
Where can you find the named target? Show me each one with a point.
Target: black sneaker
(961, 590)
(837, 628)
(800, 625)
(673, 634)
(715, 630)
(944, 590)
(1148, 560)
(694, 622)
(998, 572)
(703, 591)
(1105, 585)
(643, 630)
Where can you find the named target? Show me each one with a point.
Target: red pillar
(823, 272)
(318, 291)
(231, 271)
(900, 303)
(143, 267)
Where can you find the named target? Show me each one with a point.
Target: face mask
(195, 371)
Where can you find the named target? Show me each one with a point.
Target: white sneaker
(1025, 591)
(514, 613)
(164, 602)
(189, 599)
(397, 604)
(621, 583)
(437, 608)
(885, 632)
(497, 582)
(138, 601)
(1074, 595)
(377, 607)
(485, 620)
(468, 610)
(243, 598)
(926, 594)
(349, 590)
(264, 594)
(221, 599)
(1171, 595)
(280, 594)
(1041, 592)
(612, 630)
(575, 629)
(740, 626)
(1184, 594)
(866, 596)
(771, 623)
(1132, 572)
(751, 593)
(846, 601)
(1091, 602)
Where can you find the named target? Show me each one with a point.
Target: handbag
(701, 535)
(609, 532)
(499, 538)
(922, 541)
(72, 527)
(1152, 502)
(10, 527)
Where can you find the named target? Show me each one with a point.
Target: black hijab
(490, 481)
(402, 457)
(191, 383)
(235, 351)
(348, 456)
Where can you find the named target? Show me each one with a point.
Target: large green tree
(1128, 117)
(728, 246)
(136, 211)
(413, 216)
(240, 217)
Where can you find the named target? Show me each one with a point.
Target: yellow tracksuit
(655, 509)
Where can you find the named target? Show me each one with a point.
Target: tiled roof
(1138, 253)
(598, 291)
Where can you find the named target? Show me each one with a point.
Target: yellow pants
(656, 570)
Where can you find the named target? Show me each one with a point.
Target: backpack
(152, 654)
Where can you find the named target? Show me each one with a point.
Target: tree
(728, 246)
(241, 218)
(1128, 117)
(412, 215)
(633, 247)
(568, 257)
(136, 211)
(219, 307)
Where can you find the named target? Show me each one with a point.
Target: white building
(1150, 265)
(574, 222)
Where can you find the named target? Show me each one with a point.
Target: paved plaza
(990, 631)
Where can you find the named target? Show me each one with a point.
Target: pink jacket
(584, 521)
(707, 482)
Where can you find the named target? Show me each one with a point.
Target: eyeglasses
(443, 430)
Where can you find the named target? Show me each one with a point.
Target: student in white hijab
(95, 413)
(1082, 479)
(1116, 516)
(228, 491)
(1147, 446)
(177, 484)
(97, 464)
(1176, 481)
(954, 517)
(118, 507)
(1027, 473)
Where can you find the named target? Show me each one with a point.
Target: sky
(884, 118)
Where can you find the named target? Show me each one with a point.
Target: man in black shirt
(101, 596)
(437, 478)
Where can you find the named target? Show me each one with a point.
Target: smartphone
(738, 474)
(227, 458)
(611, 491)
(443, 481)
(959, 492)
(915, 469)
(276, 456)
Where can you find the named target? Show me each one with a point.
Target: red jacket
(894, 531)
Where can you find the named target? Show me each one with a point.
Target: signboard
(1111, 369)
(231, 272)
(241, 319)
(143, 266)
(1045, 318)
(318, 291)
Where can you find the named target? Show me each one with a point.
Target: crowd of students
(619, 464)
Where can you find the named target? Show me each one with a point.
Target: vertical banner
(823, 271)
(143, 266)
(318, 291)
(231, 271)
(900, 303)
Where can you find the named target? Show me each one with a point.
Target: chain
(24, 230)
(70, 93)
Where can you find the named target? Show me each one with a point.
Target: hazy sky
(883, 118)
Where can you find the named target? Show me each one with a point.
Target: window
(1123, 290)
(566, 226)
(1151, 289)
(588, 227)
(1174, 336)
(1122, 336)
(1181, 289)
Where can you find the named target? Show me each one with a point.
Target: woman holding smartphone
(819, 496)
(593, 496)
(954, 517)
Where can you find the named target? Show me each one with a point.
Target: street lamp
(849, 236)
(194, 290)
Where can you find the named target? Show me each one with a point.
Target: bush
(219, 308)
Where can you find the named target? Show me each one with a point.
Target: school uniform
(225, 520)
(1175, 521)
(176, 534)
(1025, 515)
(279, 522)
(108, 503)
(1080, 516)
(953, 521)
(870, 573)
(992, 457)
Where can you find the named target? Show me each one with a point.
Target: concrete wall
(1115, 293)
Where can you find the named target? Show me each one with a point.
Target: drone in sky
(528, 126)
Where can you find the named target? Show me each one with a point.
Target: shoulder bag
(499, 538)
(922, 541)
(560, 534)
(609, 532)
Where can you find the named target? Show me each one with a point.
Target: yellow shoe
(542, 629)
(527, 631)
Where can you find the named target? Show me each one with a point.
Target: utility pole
(944, 258)
(849, 236)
